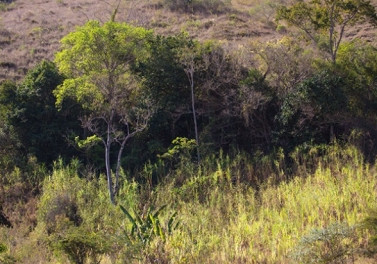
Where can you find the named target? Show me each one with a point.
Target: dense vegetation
(136, 147)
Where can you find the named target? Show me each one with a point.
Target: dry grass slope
(30, 30)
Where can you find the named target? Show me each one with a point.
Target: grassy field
(222, 218)
(237, 224)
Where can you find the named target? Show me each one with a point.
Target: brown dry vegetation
(30, 30)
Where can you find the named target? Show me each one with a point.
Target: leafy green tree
(165, 78)
(96, 59)
(9, 143)
(166, 75)
(163, 74)
(357, 61)
(33, 118)
(312, 110)
(325, 21)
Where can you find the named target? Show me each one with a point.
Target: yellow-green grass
(240, 225)
(226, 216)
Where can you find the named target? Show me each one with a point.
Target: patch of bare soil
(31, 30)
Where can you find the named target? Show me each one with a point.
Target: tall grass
(224, 222)
(238, 209)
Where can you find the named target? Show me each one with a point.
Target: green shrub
(370, 224)
(332, 244)
(145, 228)
(75, 218)
(148, 225)
(3, 248)
(80, 244)
(5, 258)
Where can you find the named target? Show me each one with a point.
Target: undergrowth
(225, 215)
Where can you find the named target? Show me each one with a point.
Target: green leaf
(159, 210)
(128, 215)
(170, 222)
(138, 219)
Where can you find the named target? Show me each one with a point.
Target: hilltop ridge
(30, 30)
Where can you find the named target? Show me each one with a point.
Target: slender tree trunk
(120, 153)
(332, 135)
(191, 79)
(107, 161)
(108, 172)
(117, 171)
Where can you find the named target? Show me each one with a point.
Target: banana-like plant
(147, 226)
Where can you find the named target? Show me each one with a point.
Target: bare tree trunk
(107, 159)
(108, 171)
(120, 153)
(117, 171)
(190, 75)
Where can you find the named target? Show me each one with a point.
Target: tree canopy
(96, 60)
(325, 21)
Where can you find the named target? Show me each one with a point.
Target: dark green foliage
(165, 79)
(9, 142)
(164, 76)
(320, 95)
(3, 248)
(357, 63)
(163, 73)
(314, 110)
(39, 126)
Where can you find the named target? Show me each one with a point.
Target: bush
(80, 244)
(333, 244)
(370, 224)
(5, 258)
(3, 248)
(201, 6)
(75, 217)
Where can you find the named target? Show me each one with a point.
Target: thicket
(170, 150)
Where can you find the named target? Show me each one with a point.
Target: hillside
(200, 131)
(30, 30)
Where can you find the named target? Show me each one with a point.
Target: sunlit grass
(226, 214)
(236, 224)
